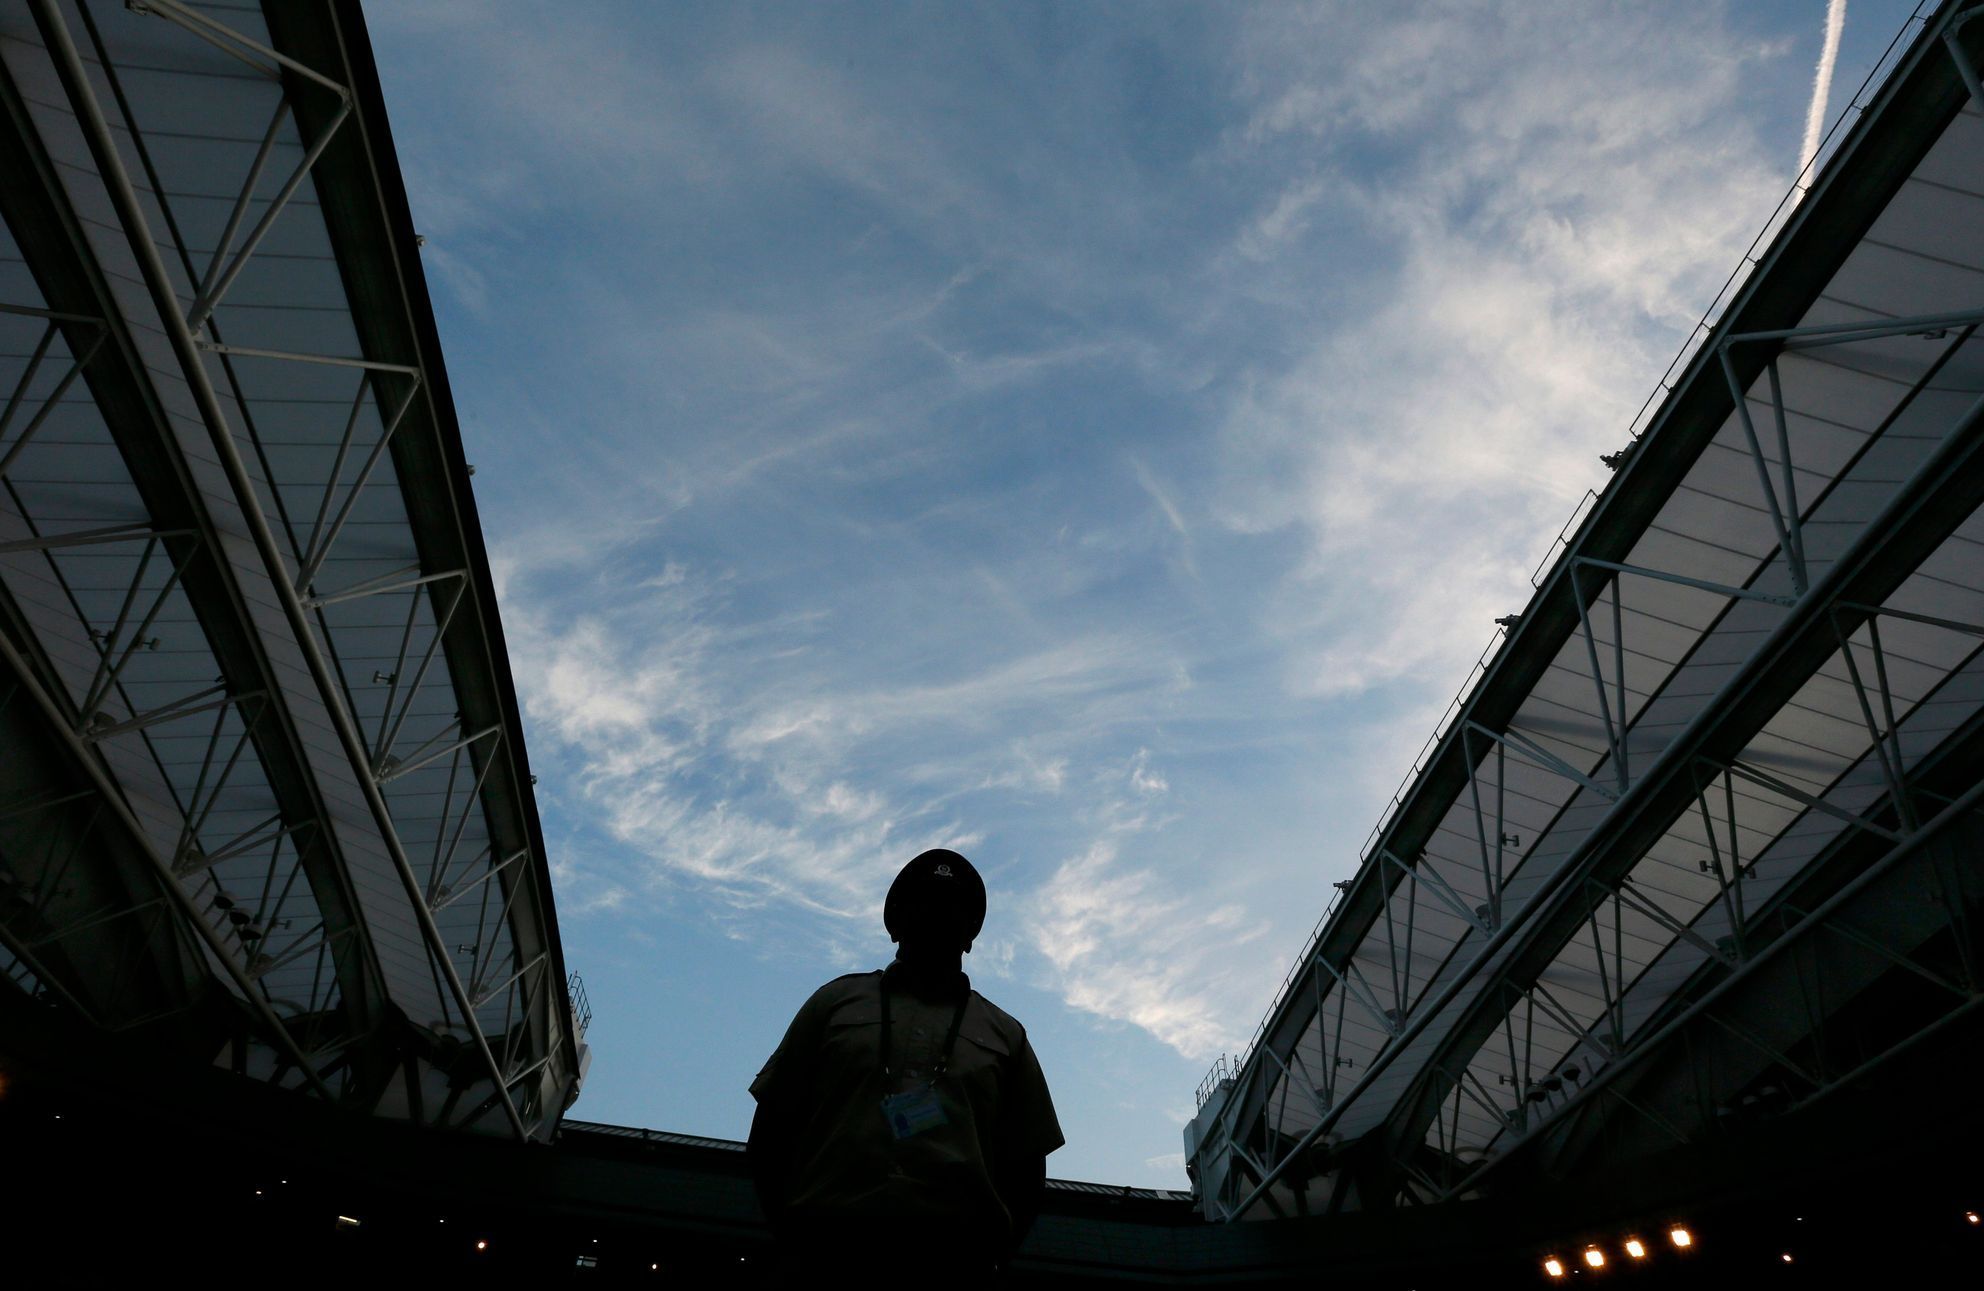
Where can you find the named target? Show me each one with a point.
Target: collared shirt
(846, 1159)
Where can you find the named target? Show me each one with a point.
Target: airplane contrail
(1815, 115)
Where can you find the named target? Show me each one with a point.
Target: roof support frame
(391, 720)
(80, 753)
(1492, 869)
(441, 867)
(1945, 489)
(234, 44)
(116, 648)
(92, 537)
(1729, 882)
(131, 216)
(1927, 848)
(1875, 158)
(1960, 56)
(319, 549)
(1615, 730)
(1948, 890)
(1440, 888)
(1542, 758)
(47, 404)
(69, 273)
(444, 896)
(200, 803)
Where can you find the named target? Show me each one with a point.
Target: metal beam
(81, 755)
(1944, 491)
(131, 216)
(1808, 925)
(68, 271)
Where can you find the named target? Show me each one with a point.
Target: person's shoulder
(848, 986)
(999, 1020)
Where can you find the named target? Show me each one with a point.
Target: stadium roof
(265, 797)
(1682, 859)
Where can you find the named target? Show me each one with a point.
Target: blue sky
(1098, 437)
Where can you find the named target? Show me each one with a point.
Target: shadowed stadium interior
(1663, 964)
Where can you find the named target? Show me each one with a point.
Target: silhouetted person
(903, 1124)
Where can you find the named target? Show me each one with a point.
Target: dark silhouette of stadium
(1663, 964)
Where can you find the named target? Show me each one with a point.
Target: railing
(639, 1135)
(1228, 1068)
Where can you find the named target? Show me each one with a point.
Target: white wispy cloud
(1558, 192)
(837, 555)
(805, 791)
(1128, 946)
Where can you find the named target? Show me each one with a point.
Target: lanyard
(950, 1037)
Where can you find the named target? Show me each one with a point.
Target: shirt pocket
(854, 1044)
(980, 1062)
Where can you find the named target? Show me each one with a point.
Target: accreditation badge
(912, 1112)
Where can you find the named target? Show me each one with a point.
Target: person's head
(936, 904)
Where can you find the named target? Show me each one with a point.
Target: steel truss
(385, 747)
(136, 920)
(229, 952)
(1767, 1021)
(1833, 618)
(102, 712)
(1491, 994)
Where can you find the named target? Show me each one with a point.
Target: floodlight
(1786, 1257)
(1680, 1236)
(482, 1244)
(1635, 1248)
(1554, 1267)
(1970, 1215)
(1594, 1257)
(346, 1221)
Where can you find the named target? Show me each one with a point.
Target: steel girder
(184, 534)
(1767, 1039)
(1236, 1147)
(108, 800)
(1471, 1009)
(504, 1040)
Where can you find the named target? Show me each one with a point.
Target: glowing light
(482, 1245)
(1554, 1267)
(1680, 1236)
(1635, 1249)
(346, 1221)
(1786, 1257)
(1970, 1215)
(1594, 1257)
